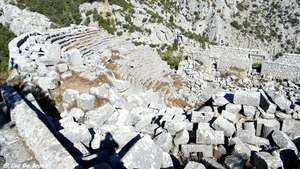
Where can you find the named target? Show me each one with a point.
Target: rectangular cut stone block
(222, 124)
(75, 57)
(264, 127)
(70, 95)
(209, 137)
(281, 101)
(86, 101)
(206, 150)
(265, 103)
(250, 98)
(264, 160)
(53, 52)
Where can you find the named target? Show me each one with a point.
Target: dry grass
(234, 68)
(100, 102)
(83, 85)
(159, 85)
(178, 102)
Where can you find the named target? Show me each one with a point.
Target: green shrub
(5, 37)
(236, 24)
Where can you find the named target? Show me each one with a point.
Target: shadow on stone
(289, 159)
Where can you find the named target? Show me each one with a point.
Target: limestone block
(233, 108)
(63, 67)
(206, 150)
(265, 103)
(291, 128)
(249, 98)
(283, 141)
(282, 102)
(264, 127)
(260, 141)
(263, 160)
(70, 95)
(96, 118)
(125, 118)
(76, 113)
(167, 161)
(101, 92)
(235, 161)
(182, 138)
(222, 124)
(46, 83)
(72, 133)
(230, 116)
(164, 141)
(219, 151)
(240, 148)
(143, 154)
(246, 136)
(53, 52)
(86, 101)
(209, 137)
(211, 163)
(205, 114)
(219, 101)
(282, 115)
(75, 57)
(193, 165)
(115, 98)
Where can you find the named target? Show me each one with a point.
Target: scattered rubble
(125, 114)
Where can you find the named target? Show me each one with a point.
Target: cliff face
(270, 26)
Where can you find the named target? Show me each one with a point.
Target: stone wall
(280, 70)
(230, 63)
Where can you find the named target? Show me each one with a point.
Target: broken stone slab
(193, 165)
(283, 141)
(249, 98)
(235, 161)
(219, 101)
(182, 137)
(96, 118)
(63, 67)
(233, 108)
(210, 137)
(70, 95)
(72, 133)
(143, 154)
(167, 161)
(205, 114)
(164, 141)
(230, 116)
(74, 57)
(263, 160)
(265, 103)
(47, 149)
(125, 118)
(46, 83)
(240, 148)
(206, 150)
(222, 124)
(265, 115)
(282, 102)
(101, 92)
(265, 126)
(86, 101)
(76, 113)
(249, 111)
(282, 115)
(291, 128)
(219, 151)
(211, 163)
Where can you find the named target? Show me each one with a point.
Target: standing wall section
(279, 70)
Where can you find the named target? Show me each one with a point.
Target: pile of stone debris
(122, 124)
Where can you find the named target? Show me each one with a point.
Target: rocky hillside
(270, 26)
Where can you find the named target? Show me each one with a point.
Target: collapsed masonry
(134, 127)
(248, 60)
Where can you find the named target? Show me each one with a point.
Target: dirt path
(105, 9)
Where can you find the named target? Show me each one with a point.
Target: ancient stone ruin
(123, 107)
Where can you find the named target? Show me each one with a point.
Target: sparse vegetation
(5, 37)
